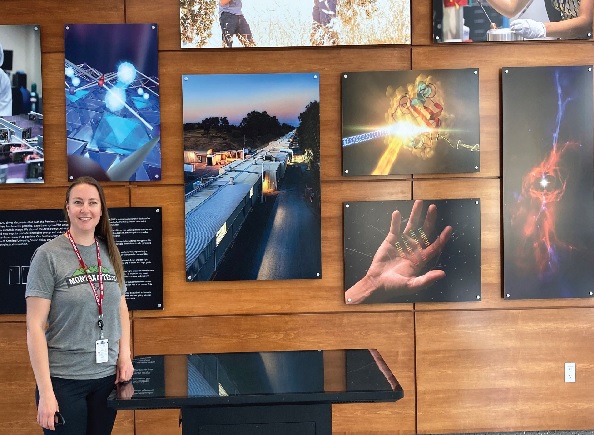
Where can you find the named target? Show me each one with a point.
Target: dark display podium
(264, 393)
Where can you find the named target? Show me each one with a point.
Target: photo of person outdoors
(78, 328)
(421, 258)
(290, 23)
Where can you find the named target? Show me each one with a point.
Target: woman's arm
(37, 313)
(577, 27)
(509, 8)
(125, 370)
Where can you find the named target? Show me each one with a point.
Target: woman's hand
(124, 370)
(46, 412)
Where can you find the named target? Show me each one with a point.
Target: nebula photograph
(547, 182)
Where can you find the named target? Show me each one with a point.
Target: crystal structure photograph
(412, 251)
(410, 122)
(290, 23)
(252, 176)
(112, 101)
(548, 218)
(511, 20)
(21, 114)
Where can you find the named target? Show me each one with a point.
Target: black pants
(83, 404)
(231, 25)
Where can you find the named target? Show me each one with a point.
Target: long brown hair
(103, 229)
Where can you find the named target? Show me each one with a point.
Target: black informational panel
(149, 376)
(137, 232)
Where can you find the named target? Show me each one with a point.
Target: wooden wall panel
(54, 197)
(503, 370)
(489, 59)
(163, 12)
(388, 332)
(17, 383)
(158, 422)
(421, 18)
(183, 298)
(52, 15)
(54, 117)
(125, 423)
(495, 366)
(329, 63)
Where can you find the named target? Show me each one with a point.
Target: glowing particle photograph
(548, 218)
(21, 114)
(410, 122)
(290, 23)
(511, 20)
(113, 119)
(412, 251)
(252, 176)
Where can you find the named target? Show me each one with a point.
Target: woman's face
(84, 209)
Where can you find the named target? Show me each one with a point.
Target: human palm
(403, 262)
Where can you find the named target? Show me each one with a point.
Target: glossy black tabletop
(285, 377)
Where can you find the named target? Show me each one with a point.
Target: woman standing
(78, 329)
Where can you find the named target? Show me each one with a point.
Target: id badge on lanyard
(101, 351)
(101, 345)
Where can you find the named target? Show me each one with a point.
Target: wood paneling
(388, 332)
(329, 63)
(495, 366)
(52, 15)
(41, 197)
(158, 422)
(183, 298)
(17, 383)
(163, 12)
(503, 370)
(54, 118)
(421, 18)
(490, 59)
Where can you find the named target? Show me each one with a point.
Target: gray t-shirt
(233, 7)
(55, 274)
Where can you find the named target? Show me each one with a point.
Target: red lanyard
(98, 296)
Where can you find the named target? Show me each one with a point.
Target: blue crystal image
(112, 101)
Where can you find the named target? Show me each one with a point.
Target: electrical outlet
(569, 372)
